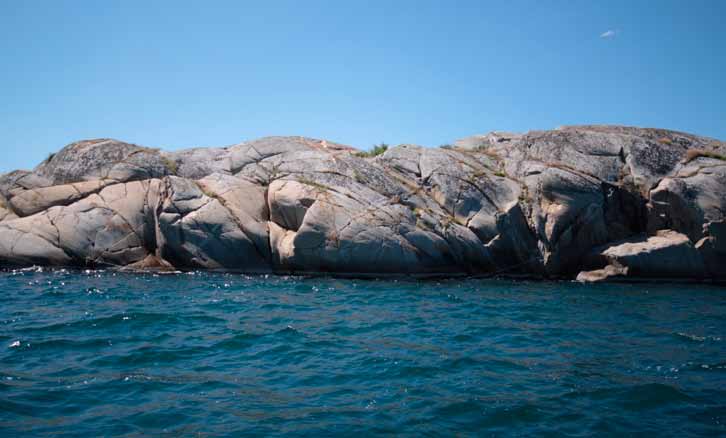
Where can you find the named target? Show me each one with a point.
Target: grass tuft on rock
(374, 152)
(171, 165)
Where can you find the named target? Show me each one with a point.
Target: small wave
(652, 395)
(696, 338)
(348, 330)
(148, 355)
(206, 382)
(417, 371)
(17, 408)
(238, 341)
(288, 332)
(69, 344)
(636, 397)
(134, 319)
(718, 366)
(478, 415)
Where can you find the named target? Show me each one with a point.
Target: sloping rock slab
(666, 255)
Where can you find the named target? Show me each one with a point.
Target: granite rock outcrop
(603, 202)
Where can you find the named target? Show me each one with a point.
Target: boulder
(6, 211)
(469, 191)
(689, 199)
(102, 159)
(609, 272)
(27, 202)
(343, 235)
(19, 180)
(196, 230)
(324, 228)
(667, 254)
(289, 202)
(568, 216)
(712, 248)
(246, 202)
(108, 229)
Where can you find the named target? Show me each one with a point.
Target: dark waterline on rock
(101, 353)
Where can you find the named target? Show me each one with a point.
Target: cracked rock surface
(599, 201)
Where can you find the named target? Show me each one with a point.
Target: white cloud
(609, 34)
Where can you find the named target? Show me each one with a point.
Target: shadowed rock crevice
(612, 202)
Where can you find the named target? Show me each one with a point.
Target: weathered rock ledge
(599, 201)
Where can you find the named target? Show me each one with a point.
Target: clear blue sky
(180, 73)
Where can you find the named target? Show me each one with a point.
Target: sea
(104, 353)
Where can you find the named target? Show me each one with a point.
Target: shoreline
(426, 277)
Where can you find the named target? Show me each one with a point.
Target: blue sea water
(99, 353)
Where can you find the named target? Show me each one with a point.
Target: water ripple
(103, 353)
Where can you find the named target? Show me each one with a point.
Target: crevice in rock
(238, 223)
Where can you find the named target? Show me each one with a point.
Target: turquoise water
(102, 354)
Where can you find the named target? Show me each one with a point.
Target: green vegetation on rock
(374, 152)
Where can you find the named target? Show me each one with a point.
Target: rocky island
(585, 202)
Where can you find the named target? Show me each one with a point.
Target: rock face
(602, 201)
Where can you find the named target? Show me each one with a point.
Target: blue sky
(182, 74)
